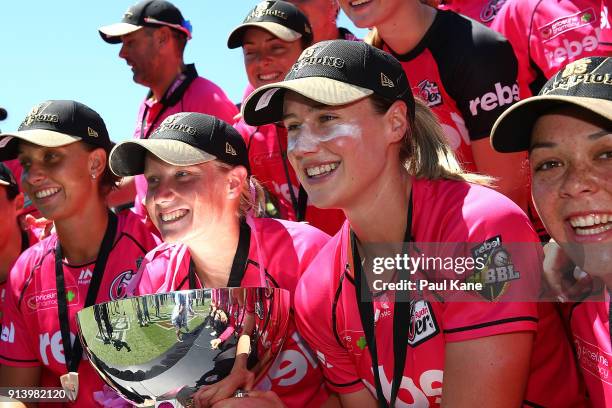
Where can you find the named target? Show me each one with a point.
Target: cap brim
(265, 104)
(127, 158)
(512, 130)
(4, 183)
(286, 34)
(40, 137)
(112, 33)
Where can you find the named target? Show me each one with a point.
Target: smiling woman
(63, 148)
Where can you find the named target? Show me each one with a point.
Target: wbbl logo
(498, 270)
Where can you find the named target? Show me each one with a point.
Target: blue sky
(52, 50)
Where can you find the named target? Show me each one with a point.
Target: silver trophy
(163, 347)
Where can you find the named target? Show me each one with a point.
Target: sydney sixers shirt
(467, 74)
(31, 333)
(590, 326)
(286, 250)
(449, 212)
(483, 11)
(547, 35)
(605, 24)
(267, 147)
(188, 93)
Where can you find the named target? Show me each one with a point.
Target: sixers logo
(423, 324)
(119, 286)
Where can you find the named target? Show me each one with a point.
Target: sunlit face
(321, 14)
(370, 13)
(339, 153)
(571, 164)
(184, 201)
(140, 52)
(267, 58)
(58, 179)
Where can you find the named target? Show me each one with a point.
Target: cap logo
(230, 150)
(576, 67)
(168, 124)
(385, 81)
(36, 115)
(91, 132)
(263, 9)
(578, 73)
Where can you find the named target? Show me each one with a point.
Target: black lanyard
(73, 353)
(401, 319)
(299, 203)
(239, 264)
(173, 95)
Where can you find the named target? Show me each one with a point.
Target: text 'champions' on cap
(57, 123)
(147, 13)
(585, 84)
(182, 139)
(335, 72)
(280, 18)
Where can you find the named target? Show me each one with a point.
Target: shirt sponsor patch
(47, 299)
(498, 268)
(567, 23)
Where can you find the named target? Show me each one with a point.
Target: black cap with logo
(585, 83)
(57, 123)
(335, 72)
(282, 19)
(147, 13)
(182, 139)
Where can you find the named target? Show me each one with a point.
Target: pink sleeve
(512, 22)
(16, 345)
(227, 333)
(206, 97)
(314, 322)
(152, 273)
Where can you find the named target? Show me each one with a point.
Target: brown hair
(425, 152)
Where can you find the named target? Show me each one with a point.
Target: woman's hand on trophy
(563, 277)
(214, 343)
(252, 399)
(239, 379)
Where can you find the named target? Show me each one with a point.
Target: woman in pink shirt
(201, 198)
(360, 142)
(567, 130)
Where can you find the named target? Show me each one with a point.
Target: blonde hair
(252, 196)
(425, 153)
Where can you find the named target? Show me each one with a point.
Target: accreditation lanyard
(239, 264)
(299, 203)
(73, 353)
(401, 319)
(172, 96)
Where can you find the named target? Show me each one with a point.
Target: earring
(93, 176)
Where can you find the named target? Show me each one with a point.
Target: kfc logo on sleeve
(500, 96)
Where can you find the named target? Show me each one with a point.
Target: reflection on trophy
(163, 347)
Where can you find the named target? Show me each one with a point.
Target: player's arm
(20, 377)
(509, 169)
(499, 365)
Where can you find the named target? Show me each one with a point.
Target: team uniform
(466, 73)
(280, 251)
(31, 333)
(188, 93)
(589, 323)
(483, 11)
(548, 34)
(605, 24)
(443, 212)
(267, 147)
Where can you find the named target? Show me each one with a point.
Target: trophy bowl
(164, 346)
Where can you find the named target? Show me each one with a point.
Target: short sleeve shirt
(31, 333)
(444, 211)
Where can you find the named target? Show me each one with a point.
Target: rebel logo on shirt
(498, 268)
(500, 95)
(8, 333)
(47, 299)
(423, 325)
(118, 288)
(429, 92)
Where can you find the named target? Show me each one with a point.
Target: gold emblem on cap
(91, 132)
(229, 149)
(385, 81)
(35, 114)
(263, 6)
(576, 67)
